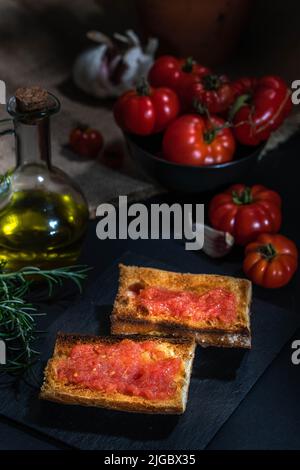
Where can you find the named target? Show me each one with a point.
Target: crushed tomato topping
(132, 368)
(218, 303)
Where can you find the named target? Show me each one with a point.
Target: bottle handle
(5, 179)
(6, 130)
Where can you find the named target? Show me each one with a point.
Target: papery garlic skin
(93, 70)
(217, 243)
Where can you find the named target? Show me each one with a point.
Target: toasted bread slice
(130, 317)
(63, 391)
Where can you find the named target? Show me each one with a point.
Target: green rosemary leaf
(18, 316)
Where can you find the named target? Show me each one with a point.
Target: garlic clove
(151, 47)
(121, 38)
(100, 38)
(216, 242)
(133, 37)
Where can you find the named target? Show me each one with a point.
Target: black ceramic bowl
(187, 178)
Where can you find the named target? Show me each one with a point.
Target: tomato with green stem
(260, 107)
(177, 74)
(194, 140)
(86, 142)
(271, 260)
(214, 92)
(245, 212)
(146, 110)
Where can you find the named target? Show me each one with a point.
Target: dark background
(269, 417)
(51, 33)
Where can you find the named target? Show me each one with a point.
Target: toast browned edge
(217, 337)
(52, 390)
(205, 338)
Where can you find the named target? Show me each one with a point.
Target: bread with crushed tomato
(58, 391)
(128, 318)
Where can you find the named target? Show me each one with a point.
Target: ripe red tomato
(177, 74)
(146, 110)
(246, 212)
(194, 140)
(165, 72)
(260, 108)
(213, 92)
(244, 85)
(271, 260)
(86, 142)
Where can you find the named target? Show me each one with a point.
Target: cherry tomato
(260, 108)
(146, 110)
(246, 212)
(213, 92)
(194, 140)
(86, 141)
(271, 260)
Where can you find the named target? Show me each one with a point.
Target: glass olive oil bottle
(43, 214)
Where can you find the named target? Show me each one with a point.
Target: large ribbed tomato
(245, 212)
(271, 260)
(213, 92)
(260, 108)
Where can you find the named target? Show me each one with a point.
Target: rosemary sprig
(18, 316)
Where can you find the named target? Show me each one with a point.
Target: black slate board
(221, 380)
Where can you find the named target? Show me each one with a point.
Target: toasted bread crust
(217, 338)
(125, 318)
(56, 391)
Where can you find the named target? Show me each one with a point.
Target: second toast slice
(212, 309)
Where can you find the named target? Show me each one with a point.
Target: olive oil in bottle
(43, 214)
(41, 229)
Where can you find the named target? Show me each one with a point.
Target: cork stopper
(31, 99)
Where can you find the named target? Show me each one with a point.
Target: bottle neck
(33, 142)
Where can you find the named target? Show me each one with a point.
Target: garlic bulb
(114, 65)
